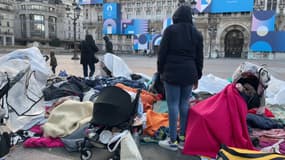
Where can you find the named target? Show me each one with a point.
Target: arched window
(234, 42)
(52, 27)
(37, 25)
(271, 5)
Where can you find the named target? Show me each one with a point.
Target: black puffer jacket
(180, 56)
(88, 49)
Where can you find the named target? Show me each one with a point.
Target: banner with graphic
(263, 35)
(111, 10)
(111, 26)
(111, 18)
(224, 6)
(134, 26)
(141, 41)
(83, 2)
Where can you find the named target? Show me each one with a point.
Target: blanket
(67, 117)
(220, 119)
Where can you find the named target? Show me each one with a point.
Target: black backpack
(5, 145)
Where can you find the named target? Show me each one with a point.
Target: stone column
(13, 40)
(46, 27)
(4, 41)
(28, 26)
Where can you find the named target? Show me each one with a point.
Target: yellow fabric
(254, 155)
(67, 117)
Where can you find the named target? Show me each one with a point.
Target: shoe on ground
(167, 144)
(92, 78)
(181, 145)
(181, 142)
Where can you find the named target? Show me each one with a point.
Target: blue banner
(134, 26)
(264, 38)
(224, 6)
(83, 2)
(111, 26)
(111, 10)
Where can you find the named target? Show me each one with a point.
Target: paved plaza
(222, 67)
(139, 64)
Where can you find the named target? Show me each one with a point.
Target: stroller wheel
(86, 154)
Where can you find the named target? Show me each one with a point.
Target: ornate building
(7, 15)
(44, 21)
(225, 34)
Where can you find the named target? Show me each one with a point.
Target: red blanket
(220, 119)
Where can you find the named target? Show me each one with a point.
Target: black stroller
(113, 110)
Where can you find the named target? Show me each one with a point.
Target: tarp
(25, 97)
(274, 94)
(117, 66)
(220, 119)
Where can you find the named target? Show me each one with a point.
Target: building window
(8, 41)
(37, 25)
(86, 14)
(23, 24)
(8, 24)
(168, 12)
(100, 18)
(51, 9)
(52, 27)
(1, 40)
(138, 12)
(271, 5)
(129, 37)
(147, 12)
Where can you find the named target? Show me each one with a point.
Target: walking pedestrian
(88, 59)
(180, 63)
(108, 45)
(53, 61)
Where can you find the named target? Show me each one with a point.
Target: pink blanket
(220, 119)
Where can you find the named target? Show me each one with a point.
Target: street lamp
(75, 17)
(212, 30)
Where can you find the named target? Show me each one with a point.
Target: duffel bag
(231, 153)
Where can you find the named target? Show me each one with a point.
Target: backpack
(5, 141)
(231, 153)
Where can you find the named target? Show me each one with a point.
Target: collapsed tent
(116, 66)
(26, 72)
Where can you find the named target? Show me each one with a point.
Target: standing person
(108, 45)
(53, 61)
(87, 58)
(180, 63)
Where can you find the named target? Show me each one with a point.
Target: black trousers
(53, 69)
(85, 69)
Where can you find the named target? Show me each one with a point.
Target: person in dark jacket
(180, 64)
(88, 49)
(108, 45)
(53, 61)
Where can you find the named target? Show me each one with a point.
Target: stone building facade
(225, 35)
(7, 15)
(44, 21)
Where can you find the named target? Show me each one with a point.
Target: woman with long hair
(88, 59)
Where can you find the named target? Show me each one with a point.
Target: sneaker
(181, 145)
(167, 144)
(181, 142)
